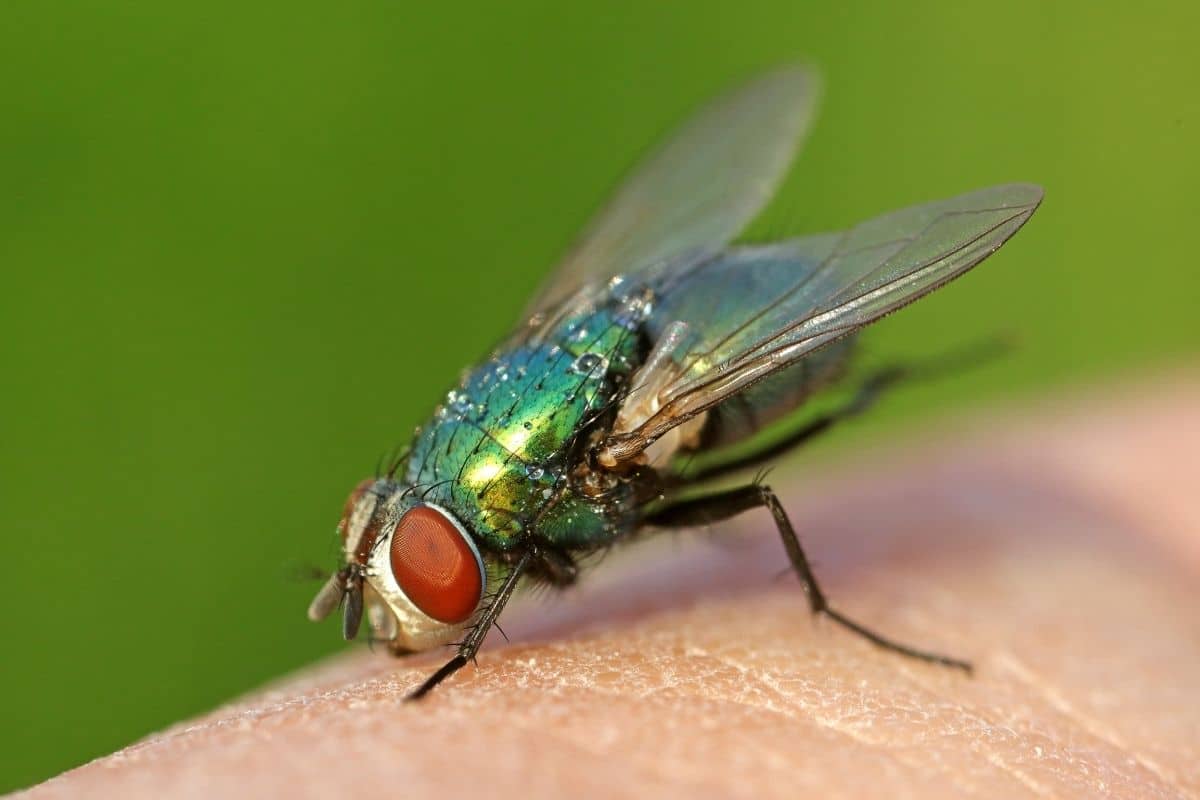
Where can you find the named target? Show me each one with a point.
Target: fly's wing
(754, 310)
(698, 190)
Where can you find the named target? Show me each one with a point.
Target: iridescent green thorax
(498, 450)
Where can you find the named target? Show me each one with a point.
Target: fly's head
(411, 565)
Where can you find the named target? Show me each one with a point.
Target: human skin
(1059, 549)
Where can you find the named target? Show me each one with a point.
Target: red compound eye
(435, 565)
(352, 501)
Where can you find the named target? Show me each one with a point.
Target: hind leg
(724, 505)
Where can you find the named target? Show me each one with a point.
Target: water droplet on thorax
(589, 363)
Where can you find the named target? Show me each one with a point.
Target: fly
(656, 339)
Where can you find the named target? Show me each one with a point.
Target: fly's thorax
(423, 577)
(500, 447)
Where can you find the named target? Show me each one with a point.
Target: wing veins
(752, 357)
(835, 254)
(820, 269)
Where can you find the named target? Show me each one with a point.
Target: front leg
(724, 505)
(470, 645)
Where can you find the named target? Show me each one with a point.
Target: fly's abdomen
(743, 415)
(498, 449)
(730, 303)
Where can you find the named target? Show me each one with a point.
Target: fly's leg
(470, 645)
(724, 505)
(872, 388)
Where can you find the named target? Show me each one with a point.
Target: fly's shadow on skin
(949, 514)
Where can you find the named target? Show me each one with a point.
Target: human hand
(1059, 553)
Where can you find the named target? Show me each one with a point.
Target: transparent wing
(754, 310)
(698, 190)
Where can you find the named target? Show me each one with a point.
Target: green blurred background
(244, 248)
